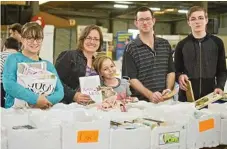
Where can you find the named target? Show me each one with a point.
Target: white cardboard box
(86, 132)
(223, 132)
(11, 117)
(165, 137)
(4, 143)
(40, 138)
(204, 131)
(130, 139)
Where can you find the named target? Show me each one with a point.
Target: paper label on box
(206, 125)
(87, 136)
(169, 138)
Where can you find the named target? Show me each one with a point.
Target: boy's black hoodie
(203, 61)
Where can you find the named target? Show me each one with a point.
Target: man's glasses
(90, 39)
(142, 20)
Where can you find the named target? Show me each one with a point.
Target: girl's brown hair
(32, 30)
(85, 33)
(97, 63)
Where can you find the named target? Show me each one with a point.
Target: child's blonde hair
(97, 63)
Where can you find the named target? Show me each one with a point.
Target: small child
(32, 38)
(106, 69)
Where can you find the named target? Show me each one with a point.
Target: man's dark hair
(16, 27)
(12, 43)
(143, 9)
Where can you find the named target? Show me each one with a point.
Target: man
(147, 61)
(15, 31)
(200, 58)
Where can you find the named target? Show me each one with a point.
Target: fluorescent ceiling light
(182, 11)
(155, 9)
(123, 2)
(159, 12)
(170, 10)
(120, 6)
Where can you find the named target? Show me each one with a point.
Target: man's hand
(166, 92)
(81, 98)
(218, 91)
(183, 82)
(156, 97)
(43, 102)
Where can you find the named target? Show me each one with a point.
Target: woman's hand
(81, 98)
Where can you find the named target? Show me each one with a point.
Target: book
(189, 92)
(204, 101)
(36, 78)
(90, 86)
(169, 95)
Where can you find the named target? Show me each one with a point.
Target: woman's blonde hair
(32, 30)
(97, 63)
(85, 33)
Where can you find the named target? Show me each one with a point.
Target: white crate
(4, 143)
(11, 117)
(165, 137)
(204, 131)
(138, 138)
(40, 138)
(223, 132)
(86, 132)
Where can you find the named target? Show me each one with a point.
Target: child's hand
(43, 103)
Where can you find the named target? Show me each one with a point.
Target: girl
(32, 37)
(107, 70)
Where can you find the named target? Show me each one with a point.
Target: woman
(32, 37)
(11, 46)
(73, 64)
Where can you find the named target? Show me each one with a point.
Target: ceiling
(105, 9)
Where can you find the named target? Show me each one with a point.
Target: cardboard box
(40, 138)
(222, 110)
(165, 137)
(4, 143)
(138, 138)
(223, 132)
(12, 117)
(204, 130)
(87, 131)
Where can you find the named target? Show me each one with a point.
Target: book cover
(90, 86)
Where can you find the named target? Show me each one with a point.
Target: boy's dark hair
(16, 27)
(142, 9)
(12, 43)
(194, 9)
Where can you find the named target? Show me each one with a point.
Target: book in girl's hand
(90, 86)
